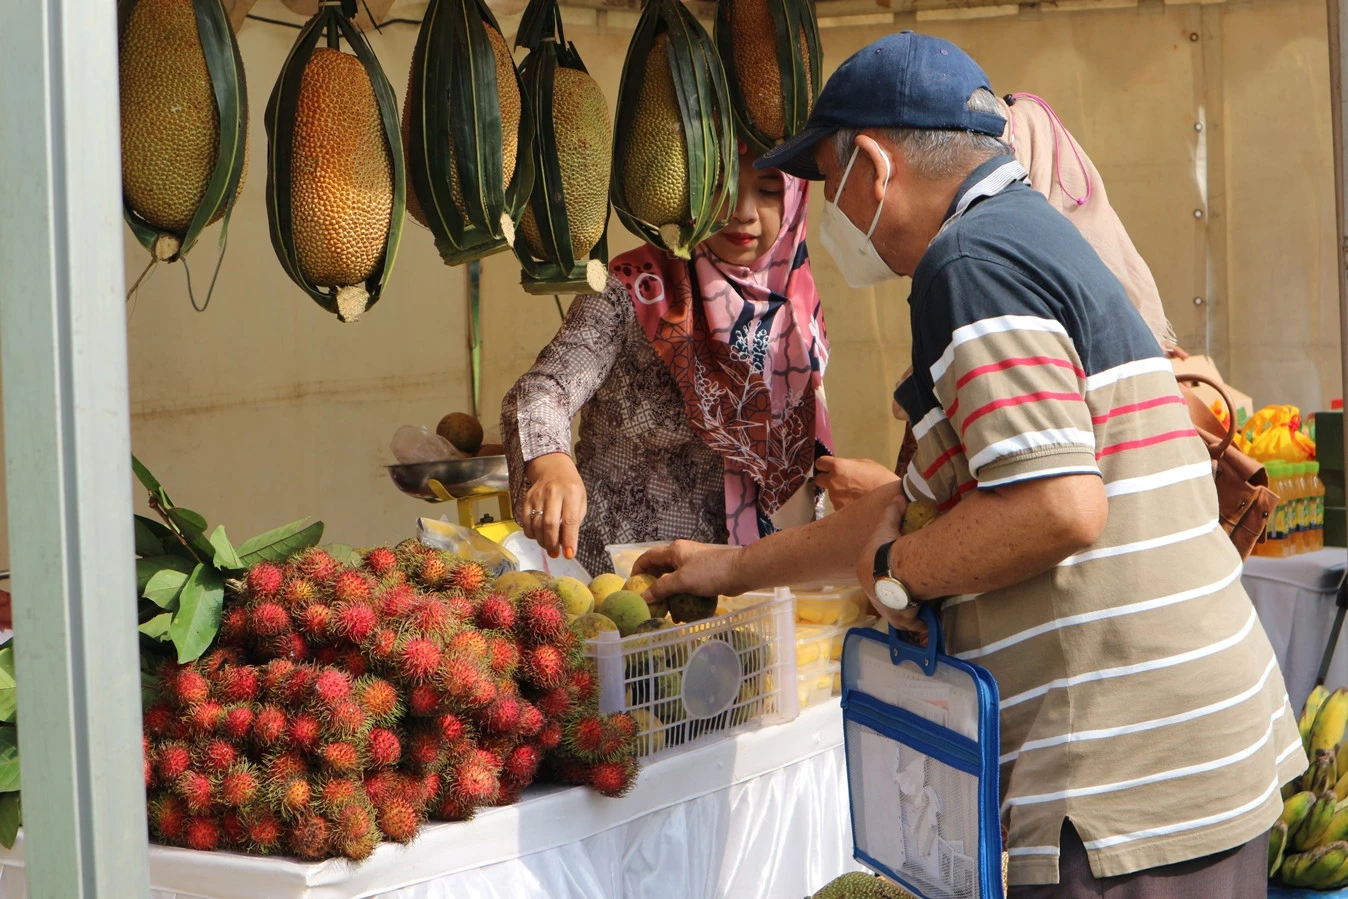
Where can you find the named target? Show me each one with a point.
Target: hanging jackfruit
(773, 78)
(862, 885)
(464, 120)
(184, 113)
(563, 245)
(675, 159)
(336, 186)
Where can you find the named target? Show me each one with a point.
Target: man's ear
(880, 164)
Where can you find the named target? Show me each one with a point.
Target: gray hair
(935, 153)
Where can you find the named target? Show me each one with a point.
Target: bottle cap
(1336, 404)
(1313, 468)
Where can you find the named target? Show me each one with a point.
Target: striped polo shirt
(1140, 696)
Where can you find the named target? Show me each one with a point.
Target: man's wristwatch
(889, 590)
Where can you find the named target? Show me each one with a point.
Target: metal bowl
(479, 476)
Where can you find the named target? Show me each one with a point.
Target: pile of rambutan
(341, 706)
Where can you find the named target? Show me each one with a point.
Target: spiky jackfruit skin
(584, 141)
(754, 37)
(655, 172)
(341, 192)
(508, 92)
(861, 885)
(170, 122)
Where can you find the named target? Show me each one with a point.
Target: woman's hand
(554, 506)
(847, 480)
(687, 567)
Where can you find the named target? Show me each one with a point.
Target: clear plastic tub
(840, 635)
(625, 555)
(815, 642)
(815, 684)
(836, 606)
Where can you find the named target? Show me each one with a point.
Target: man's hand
(557, 495)
(688, 567)
(848, 480)
(886, 530)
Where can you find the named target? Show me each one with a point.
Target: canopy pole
(1338, 69)
(67, 447)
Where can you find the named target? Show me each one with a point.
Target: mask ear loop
(875, 221)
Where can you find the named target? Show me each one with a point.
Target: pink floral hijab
(748, 348)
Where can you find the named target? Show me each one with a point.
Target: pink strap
(1057, 157)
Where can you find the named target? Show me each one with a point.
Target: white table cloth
(1295, 601)
(761, 816)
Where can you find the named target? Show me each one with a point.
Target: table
(1295, 601)
(763, 815)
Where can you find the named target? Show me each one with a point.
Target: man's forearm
(995, 539)
(822, 551)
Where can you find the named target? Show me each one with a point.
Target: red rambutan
(425, 789)
(470, 643)
(204, 718)
(337, 792)
(431, 616)
(423, 700)
(354, 824)
(286, 766)
(304, 731)
(623, 726)
(522, 762)
(379, 699)
(380, 561)
(353, 662)
(269, 725)
(496, 612)
(586, 736)
(189, 688)
(168, 818)
(202, 833)
(239, 787)
(468, 577)
(425, 749)
(275, 674)
(452, 729)
(234, 624)
(582, 684)
(293, 795)
(232, 832)
(314, 621)
(297, 591)
(295, 691)
(502, 716)
(346, 718)
(613, 779)
(531, 720)
(356, 621)
(418, 659)
(327, 655)
(432, 571)
(238, 683)
(352, 586)
(268, 619)
(504, 654)
(331, 686)
(461, 608)
(483, 694)
(194, 788)
(383, 644)
(556, 703)
(540, 617)
(310, 837)
(159, 718)
(398, 820)
(238, 722)
(545, 667)
(265, 580)
(263, 830)
(475, 778)
(383, 748)
(289, 646)
(316, 565)
(341, 757)
(460, 678)
(381, 786)
(397, 601)
(452, 808)
(217, 756)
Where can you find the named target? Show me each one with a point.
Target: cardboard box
(1202, 365)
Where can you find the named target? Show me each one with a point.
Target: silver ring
(534, 513)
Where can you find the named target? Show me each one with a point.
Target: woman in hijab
(699, 387)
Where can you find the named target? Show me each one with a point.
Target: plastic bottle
(1296, 519)
(1317, 508)
(1275, 543)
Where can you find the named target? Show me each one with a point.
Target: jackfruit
(754, 38)
(584, 142)
(655, 174)
(862, 885)
(508, 90)
(170, 119)
(341, 195)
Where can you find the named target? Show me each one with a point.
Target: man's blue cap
(903, 80)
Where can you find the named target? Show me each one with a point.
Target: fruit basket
(704, 680)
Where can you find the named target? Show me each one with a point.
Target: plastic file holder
(922, 740)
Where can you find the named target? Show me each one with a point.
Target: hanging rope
(475, 331)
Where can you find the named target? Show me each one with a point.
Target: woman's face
(757, 218)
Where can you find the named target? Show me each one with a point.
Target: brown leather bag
(1244, 502)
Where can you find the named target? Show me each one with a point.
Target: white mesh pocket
(913, 814)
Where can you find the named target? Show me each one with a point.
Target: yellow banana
(1320, 770)
(1291, 788)
(1307, 836)
(1294, 867)
(1327, 861)
(1327, 732)
(1294, 810)
(1277, 842)
(1308, 714)
(1335, 881)
(1337, 829)
(1341, 787)
(1341, 757)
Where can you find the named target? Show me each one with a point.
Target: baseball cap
(903, 80)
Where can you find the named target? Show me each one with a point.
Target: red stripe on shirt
(954, 500)
(945, 457)
(1026, 361)
(1016, 401)
(1138, 407)
(1145, 441)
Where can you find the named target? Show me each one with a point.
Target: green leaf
(146, 569)
(9, 701)
(198, 617)
(150, 482)
(193, 528)
(157, 627)
(11, 817)
(343, 553)
(280, 544)
(9, 758)
(225, 556)
(148, 541)
(165, 587)
(196, 519)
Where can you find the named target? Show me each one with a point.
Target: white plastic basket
(701, 681)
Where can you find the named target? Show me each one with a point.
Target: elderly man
(1145, 725)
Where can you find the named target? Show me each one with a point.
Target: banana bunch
(1308, 847)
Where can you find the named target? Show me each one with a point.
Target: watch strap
(881, 568)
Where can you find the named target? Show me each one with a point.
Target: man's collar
(989, 178)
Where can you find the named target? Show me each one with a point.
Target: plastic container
(817, 683)
(835, 652)
(814, 643)
(702, 681)
(1275, 542)
(836, 606)
(625, 555)
(1298, 536)
(1317, 490)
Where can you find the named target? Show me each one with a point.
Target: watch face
(891, 594)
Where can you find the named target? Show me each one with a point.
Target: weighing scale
(468, 483)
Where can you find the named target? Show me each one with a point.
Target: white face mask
(851, 249)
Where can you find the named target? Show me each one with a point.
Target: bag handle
(1220, 448)
(925, 658)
